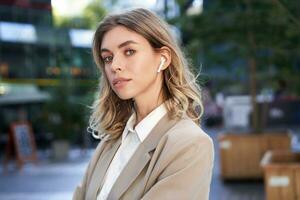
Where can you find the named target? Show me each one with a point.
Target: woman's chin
(124, 96)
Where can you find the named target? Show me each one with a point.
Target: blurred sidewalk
(45, 181)
(57, 180)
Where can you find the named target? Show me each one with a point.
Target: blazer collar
(140, 158)
(110, 147)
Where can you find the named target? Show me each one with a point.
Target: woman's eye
(107, 59)
(129, 52)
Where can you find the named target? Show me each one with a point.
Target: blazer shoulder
(185, 140)
(187, 130)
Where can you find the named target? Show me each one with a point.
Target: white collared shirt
(131, 139)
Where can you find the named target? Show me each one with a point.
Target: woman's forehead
(120, 35)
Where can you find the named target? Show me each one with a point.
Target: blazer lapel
(101, 168)
(140, 158)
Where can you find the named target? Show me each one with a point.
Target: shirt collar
(144, 127)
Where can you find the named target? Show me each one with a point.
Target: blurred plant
(65, 117)
(66, 113)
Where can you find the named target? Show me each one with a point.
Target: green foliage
(228, 31)
(261, 36)
(94, 12)
(91, 16)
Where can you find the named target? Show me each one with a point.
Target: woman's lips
(120, 82)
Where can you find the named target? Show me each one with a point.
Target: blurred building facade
(31, 47)
(36, 60)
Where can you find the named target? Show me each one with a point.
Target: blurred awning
(12, 94)
(43, 35)
(81, 37)
(17, 32)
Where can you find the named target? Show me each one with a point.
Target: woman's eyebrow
(126, 43)
(120, 45)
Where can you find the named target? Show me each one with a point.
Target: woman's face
(130, 64)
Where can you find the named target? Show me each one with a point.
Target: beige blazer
(174, 162)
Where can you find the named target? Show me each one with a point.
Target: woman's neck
(150, 99)
(143, 108)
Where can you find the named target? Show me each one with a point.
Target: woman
(151, 145)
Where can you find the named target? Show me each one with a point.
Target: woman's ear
(165, 53)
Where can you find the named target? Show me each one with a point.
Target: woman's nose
(116, 64)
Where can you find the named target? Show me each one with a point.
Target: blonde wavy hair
(182, 94)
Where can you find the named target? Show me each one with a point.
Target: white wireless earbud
(162, 62)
